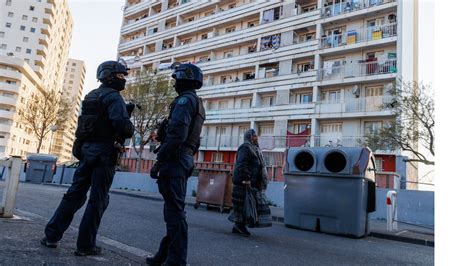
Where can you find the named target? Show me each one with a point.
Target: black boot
(94, 251)
(155, 260)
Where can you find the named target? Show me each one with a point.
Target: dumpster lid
(41, 157)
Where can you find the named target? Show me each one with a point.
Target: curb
(422, 242)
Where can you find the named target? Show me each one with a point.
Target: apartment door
(221, 137)
(240, 137)
(331, 134)
(373, 98)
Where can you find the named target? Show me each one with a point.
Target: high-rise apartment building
(35, 37)
(73, 87)
(300, 72)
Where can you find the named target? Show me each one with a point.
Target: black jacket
(250, 165)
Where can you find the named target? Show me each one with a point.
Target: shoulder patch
(182, 101)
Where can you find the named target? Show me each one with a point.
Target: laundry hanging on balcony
(301, 139)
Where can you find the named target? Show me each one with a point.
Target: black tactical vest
(93, 123)
(194, 133)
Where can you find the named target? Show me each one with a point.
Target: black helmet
(188, 72)
(108, 68)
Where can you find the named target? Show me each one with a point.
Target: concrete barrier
(414, 206)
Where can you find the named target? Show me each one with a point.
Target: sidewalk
(405, 233)
(20, 245)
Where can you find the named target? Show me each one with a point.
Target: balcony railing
(345, 7)
(360, 35)
(358, 70)
(283, 142)
(362, 104)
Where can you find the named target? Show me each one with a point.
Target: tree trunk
(139, 159)
(39, 145)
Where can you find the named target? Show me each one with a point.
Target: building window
(74, 64)
(268, 101)
(32, 29)
(331, 128)
(252, 24)
(27, 60)
(230, 29)
(265, 130)
(378, 164)
(304, 97)
(204, 36)
(222, 105)
(8, 25)
(73, 70)
(2, 34)
(372, 127)
(34, 19)
(217, 157)
(71, 76)
(3, 46)
(18, 49)
(228, 54)
(190, 19)
(8, 2)
(331, 96)
(32, 8)
(187, 41)
(22, 27)
(28, 51)
(232, 6)
(249, 75)
(25, 39)
(24, 17)
(374, 91)
(10, 14)
(246, 103)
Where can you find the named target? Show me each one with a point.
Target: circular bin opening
(335, 162)
(304, 161)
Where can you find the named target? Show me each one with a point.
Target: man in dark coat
(249, 174)
(175, 163)
(103, 124)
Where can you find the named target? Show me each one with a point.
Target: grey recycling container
(330, 190)
(40, 168)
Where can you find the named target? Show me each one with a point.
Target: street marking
(116, 244)
(401, 232)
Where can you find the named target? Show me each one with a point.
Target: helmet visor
(183, 74)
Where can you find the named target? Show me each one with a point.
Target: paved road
(137, 225)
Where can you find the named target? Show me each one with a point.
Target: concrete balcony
(132, 9)
(197, 25)
(293, 80)
(357, 73)
(363, 38)
(8, 100)
(5, 128)
(223, 41)
(134, 25)
(358, 107)
(9, 87)
(280, 143)
(251, 59)
(296, 111)
(46, 31)
(6, 114)
(352, 9)
(11, 74)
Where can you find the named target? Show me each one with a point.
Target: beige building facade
(300, 72)
(37, 33)
(73, 88)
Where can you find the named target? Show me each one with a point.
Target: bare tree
(413, 128)
(43, 111)
(150, 91)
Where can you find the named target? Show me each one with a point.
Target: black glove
(155, 170)
(130, 107)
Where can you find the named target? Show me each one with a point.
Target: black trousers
(92, 174)
(174, 246)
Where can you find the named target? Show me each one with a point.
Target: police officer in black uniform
(175, 163)
(102, 127)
